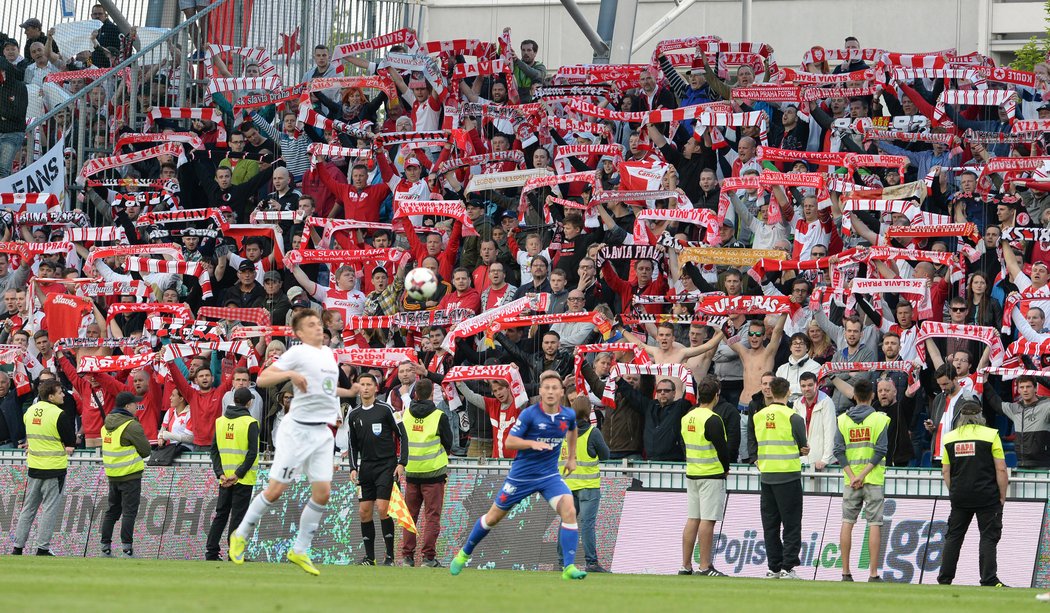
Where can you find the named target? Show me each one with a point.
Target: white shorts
(707, 498)
(307, 450)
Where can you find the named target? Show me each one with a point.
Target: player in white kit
(304, 440)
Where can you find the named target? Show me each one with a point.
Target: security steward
(429, 441)
(974, 470)
(235, 460)
(50, 436)
(585, 483)
(124, 445)
(706, 466)
(777, 438)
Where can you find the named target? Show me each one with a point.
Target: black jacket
(731, 420)
(663, 424)
(14, 100)
(233, 412)
(536, 363)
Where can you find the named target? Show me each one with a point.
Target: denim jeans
(587, 503)
(10, 144)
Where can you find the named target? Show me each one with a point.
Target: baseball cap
(126, 398)
(9, 41)
(380, 269)
(294, 291)
(32, 22)
(242, 397)
(729, 223)
(272, 275)
(301, 302)
(245, 265)
(412, 161)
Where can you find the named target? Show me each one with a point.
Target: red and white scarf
(174, 112)
(298, 257)
(94, 289)
(97, 165)
(115, 363)
(501, 372)
(257, 316)
(479, 323)
(180, 311)
(404, 36)
(983, 334)
(379, 82)
(831, 368)
(385, 357)
(640, 357)
(702, 217)
(966, 230)
(988, 97)
(719, 305)
(677, 371)
(454, 209)
(230, 84)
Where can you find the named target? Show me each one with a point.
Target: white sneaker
(772, 574)
(789, 574)
(1044, 597)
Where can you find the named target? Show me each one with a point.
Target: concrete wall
(791, 26)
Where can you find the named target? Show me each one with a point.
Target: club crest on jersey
(377, 429)
(510, 489)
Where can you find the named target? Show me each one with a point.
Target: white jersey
(319, 403)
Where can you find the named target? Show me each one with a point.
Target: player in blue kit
(537, 437)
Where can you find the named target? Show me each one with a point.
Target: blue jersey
(535, 425)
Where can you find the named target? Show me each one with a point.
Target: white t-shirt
(319, 403)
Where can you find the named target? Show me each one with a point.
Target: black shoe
(16, 551)
(432, 563)
(595, 568)
(711, 572)
(127, 553)
(996, 584)
(875, 579)
(211, 558)
(107, 551)
(847, 578)
(366, 562)
(685, 571)
(389, 561)
(408, 561)
(45, 552)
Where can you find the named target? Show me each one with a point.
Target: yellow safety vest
(777, 449)
(425, 453)
(586, 474)
(46, 451)
(700, 455)
(231, 435)
(860, 445)
(119, 460)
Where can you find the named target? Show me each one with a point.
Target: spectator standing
(235, 460)
(528, 70)
(14, 101)
(819, 412)
(707, 464)
(124, 446)
(780, 434)
(51, 437)
(861, 445)
(429, 441)
(974, 470)
(585, 482)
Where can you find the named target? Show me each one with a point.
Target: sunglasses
(574, 298)
(664, 391)
(756, 333)
(958, 309)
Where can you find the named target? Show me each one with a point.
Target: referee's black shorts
(377, 479)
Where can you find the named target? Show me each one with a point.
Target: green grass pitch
(86, 585)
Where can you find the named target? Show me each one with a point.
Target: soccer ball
(420, 284)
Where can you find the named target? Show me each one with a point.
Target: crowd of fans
(739, 251)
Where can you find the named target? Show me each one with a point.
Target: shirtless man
(756, 360)
(667, 351)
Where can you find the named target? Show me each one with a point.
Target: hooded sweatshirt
(133, 435)
(858, 414)
(232, 412)
(421, 409)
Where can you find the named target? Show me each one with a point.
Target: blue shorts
(514, 492)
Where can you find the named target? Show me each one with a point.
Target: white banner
(48, 174)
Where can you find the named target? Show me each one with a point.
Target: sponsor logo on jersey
(965, 449)
(859, 435)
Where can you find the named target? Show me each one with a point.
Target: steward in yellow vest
(50, 438)
(235, 460)
(780, 434)
(585, 482)
(861, 445)
(124, 445)
(429, 439)
(706, 465)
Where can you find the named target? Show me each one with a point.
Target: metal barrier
(920, 482)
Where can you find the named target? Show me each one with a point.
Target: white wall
(790, 26)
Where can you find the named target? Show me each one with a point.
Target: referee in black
(375, 434)
(974, 470)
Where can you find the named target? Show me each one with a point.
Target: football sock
(368, 533)
(308, 522)
(569, 538)
(480, 531)
(387, 525)
(252, 516)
